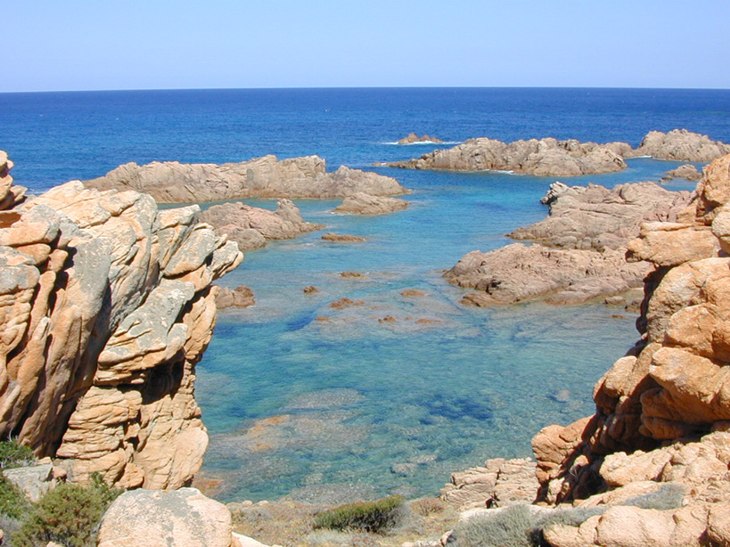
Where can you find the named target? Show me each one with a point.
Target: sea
(308, 402)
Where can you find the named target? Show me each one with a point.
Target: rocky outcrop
(662, 411)
(251, 227)
(183, 517)
(686, 172)
(499, 483)
(106, 306)
(413, 138)
(366, 204)
(580, 248)
(545, 157)
(265, 177)
(10, 194)
(552, 158)
(680, 145)
(240, 297)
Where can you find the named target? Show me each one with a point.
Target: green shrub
(12, 501)
(68, 514)
(14, 454)
(510, 527)
(369, 516)
(668, 496)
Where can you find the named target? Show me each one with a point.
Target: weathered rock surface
(552, 158)
(686, 171)
(10, 194)
(106, 305)
(183, 517)
(240, 297)
(366, 204)
(251, 227)
(34, 481)
(519, 273)
(499, 483)
(545, 157)
(663, 410)
(265, 177)
(580, 248)
(680, 145)
(413, 138)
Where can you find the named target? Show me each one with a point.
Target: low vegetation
(14, 454)
(368, 516)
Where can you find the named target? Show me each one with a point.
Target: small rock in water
(562, 396)
(345, 303)
(387, 319)
(412, 293)
(310, 289)
(351, 275)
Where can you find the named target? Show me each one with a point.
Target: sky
(51, 45)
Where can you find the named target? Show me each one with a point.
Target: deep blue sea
(307, 401)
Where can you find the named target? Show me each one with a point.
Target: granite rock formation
(552, 158)
(183, 517)
(663, 410)
(240, 297)
(252, 227)
(361, 203)
(413, 138)
(106, 305)
(680, 145)
(686, 171)
(579, 251)
(265, 177)
(545, 157)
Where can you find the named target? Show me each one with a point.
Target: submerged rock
(265, 177)
(342, 238)
(240, 297)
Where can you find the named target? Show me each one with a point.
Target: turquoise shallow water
(316, 403)
(323, 403)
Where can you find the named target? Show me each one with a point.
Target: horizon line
(353, 87)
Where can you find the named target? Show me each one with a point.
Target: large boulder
(361, 203)
(681, 145)
(181, 517)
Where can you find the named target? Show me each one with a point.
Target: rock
(240, 297)
(680, 145)
(580, 253)
(545, 157)
(181, 517)
(594, 217)
(352, 275)
(412, 293)
(265, 177)
(500, 482)
(10, 194)
(519, 273)
(32, 480)
(342, 238)
(365, 204)
(106, 306)
(310, 289)
(412, 138)
(686, 172)
(346, 303)
(663, 410)
(251, 227)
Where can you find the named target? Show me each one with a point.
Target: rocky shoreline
(549, 157)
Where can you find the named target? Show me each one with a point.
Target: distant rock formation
(413, 138)
(361, 203)
(252, 227)
(680, 145)
(552, 158)
(686, 171)
(580, 249)
(106, 306)
(545, 157)
(265, 177)
(662, 411)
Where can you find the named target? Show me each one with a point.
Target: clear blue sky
(150, 44)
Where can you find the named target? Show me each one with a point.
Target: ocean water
(393, 394)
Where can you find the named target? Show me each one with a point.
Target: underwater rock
(366, 204)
